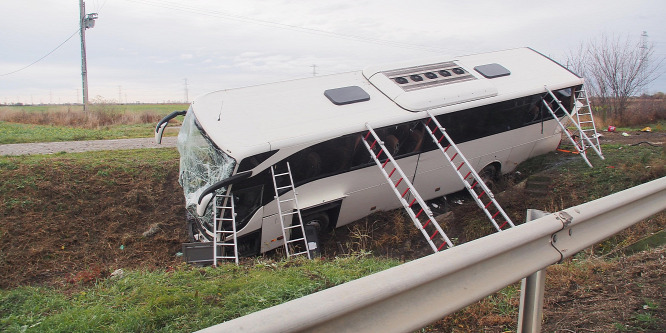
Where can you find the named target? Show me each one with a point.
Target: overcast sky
(144, 50)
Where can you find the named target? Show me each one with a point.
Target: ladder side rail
(582, 134)
(277, 199)
(233, 227)
(298, 212)
(216, 228)
(410, 188)
(474, 174)
(581, 152)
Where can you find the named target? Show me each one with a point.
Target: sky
(172, 51)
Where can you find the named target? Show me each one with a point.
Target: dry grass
(99, 116)
(641, 111)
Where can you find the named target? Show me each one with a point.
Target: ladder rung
(299, 253)
(283, 187)
(295, 240)
(288, 213)
(292, 227)
(225, 257)
(281, 174)
(286, 200)
(226, 244)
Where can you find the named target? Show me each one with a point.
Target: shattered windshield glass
(201, 164)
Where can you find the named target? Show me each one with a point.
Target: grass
(25, 124)
(27, 133)
(179, 300)
(186, 298)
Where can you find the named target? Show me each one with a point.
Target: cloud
(149, 49)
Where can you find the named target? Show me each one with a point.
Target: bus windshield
(202, 164)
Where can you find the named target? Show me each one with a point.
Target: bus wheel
(315, 225)
(489, 176)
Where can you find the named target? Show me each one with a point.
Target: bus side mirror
(201, 206)
(159, 129)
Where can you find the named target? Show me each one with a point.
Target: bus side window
(305, 165)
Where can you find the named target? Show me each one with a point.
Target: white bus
(490, 104)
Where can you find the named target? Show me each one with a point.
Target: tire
(318, 220)
(315, 225)
(489, 176)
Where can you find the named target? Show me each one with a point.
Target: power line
(226, 15)
(42, 58)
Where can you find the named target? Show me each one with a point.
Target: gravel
(83, 146)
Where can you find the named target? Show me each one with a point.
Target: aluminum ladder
(584, 118)
(295, 213)
(465, 166)
(414, 211)
(585, 141)
(224, 240)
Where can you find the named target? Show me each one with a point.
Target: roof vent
(491, 71)
(347, 95)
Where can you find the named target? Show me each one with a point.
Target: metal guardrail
(417, 293)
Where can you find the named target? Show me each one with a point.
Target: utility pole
(86, 22)
(644, 64)
(314, 70)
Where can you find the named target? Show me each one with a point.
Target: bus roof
(252, 120)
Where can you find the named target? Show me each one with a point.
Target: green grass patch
(27, 133)
(162, 109)
(181, 300)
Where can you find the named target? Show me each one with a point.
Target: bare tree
(615, 69)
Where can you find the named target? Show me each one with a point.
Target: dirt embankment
(64, 223)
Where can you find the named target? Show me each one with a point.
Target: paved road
(83, 146)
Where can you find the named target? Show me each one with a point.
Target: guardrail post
(532, 288)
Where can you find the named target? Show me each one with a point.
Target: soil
(138, 223)
(53, 234)
(633, 138)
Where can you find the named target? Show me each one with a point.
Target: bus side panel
(270, 232)
(550, 142)
(369, 191)
(435, 177)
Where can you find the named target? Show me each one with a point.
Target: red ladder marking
(385, 163)
(380, 152)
